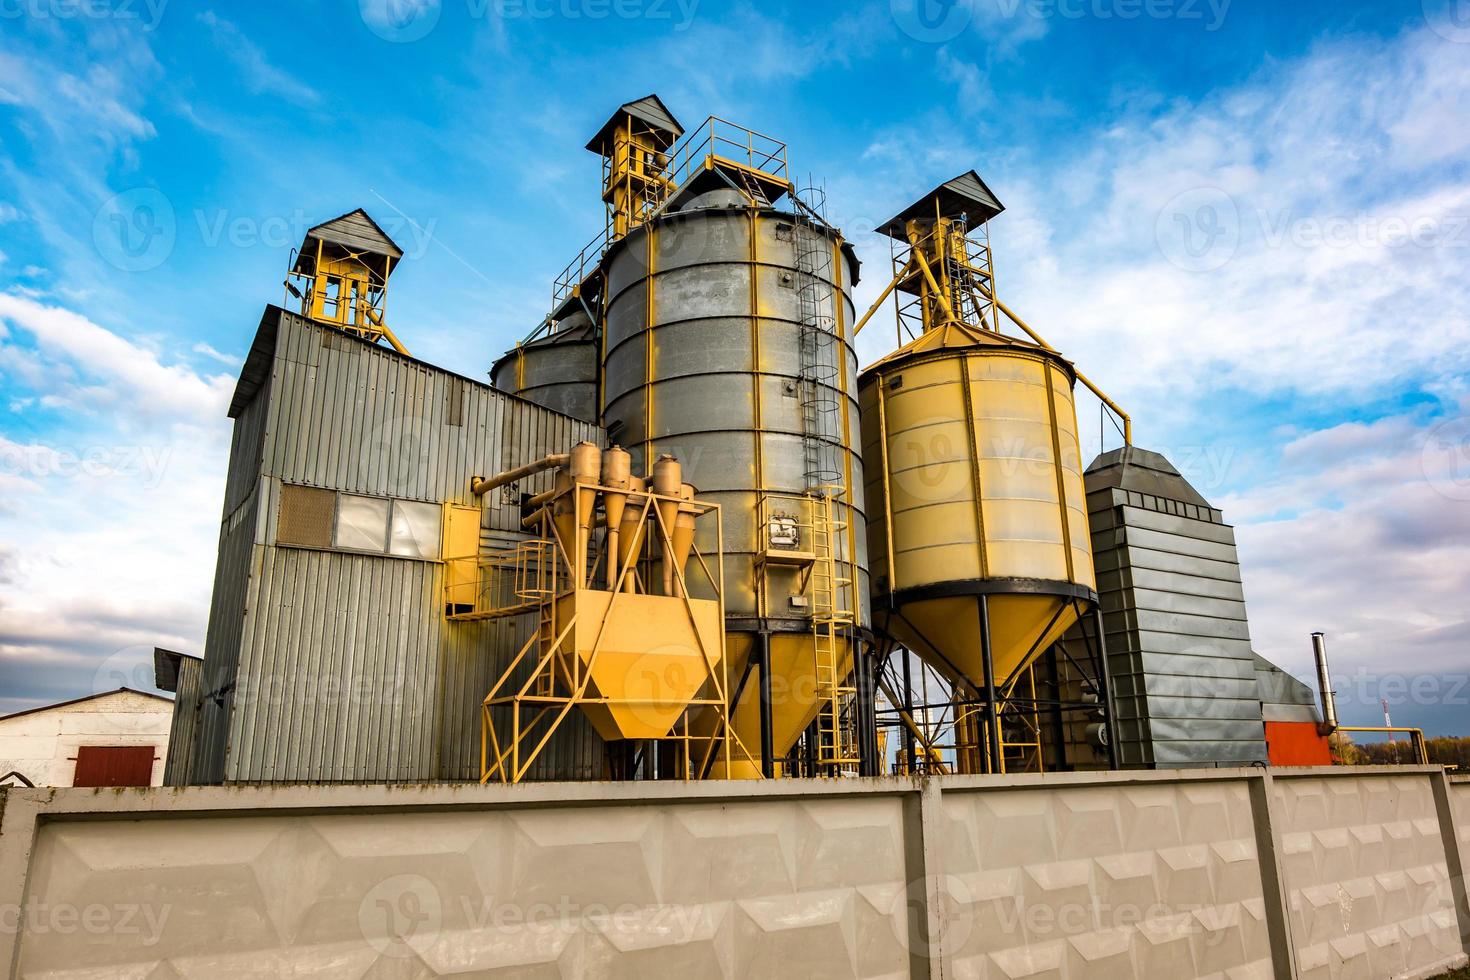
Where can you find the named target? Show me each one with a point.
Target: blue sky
(1249, 221)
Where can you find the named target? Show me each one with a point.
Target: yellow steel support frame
(559, 679)
(639, 180)
(339, 291)
(1021, 754)
(635, 177)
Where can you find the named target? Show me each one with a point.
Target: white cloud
(132, 376)
(260, 75)
(81, 98)
(230, 360)
(108, 522)
(1379, 559)
(1348, 273)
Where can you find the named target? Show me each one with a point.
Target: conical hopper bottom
(794, 698)
(945, 633)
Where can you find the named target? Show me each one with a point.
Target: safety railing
(496, 584)
(714, 142)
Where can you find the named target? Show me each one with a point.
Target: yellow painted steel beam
(887, 291)
(931, 752)
(1087, 382)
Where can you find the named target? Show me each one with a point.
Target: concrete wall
(1225, 873)
(42, 744)
(1366, 864)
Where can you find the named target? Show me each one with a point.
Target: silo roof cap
(357, 233)
(965, 195)
(649, 110)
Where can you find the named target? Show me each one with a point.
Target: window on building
(362, 523)
(414, 530)
(305, 517)
(314, 518)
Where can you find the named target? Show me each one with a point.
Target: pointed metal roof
(964, 195)
(649, 110)
(356, 230)
(1134, 468)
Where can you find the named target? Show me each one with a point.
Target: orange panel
(1296, 743)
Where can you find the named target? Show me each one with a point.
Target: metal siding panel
(1176, 622)
(179, 764)
(347, 670)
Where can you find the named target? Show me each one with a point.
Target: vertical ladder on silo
(819, 361)
(832, 622)
(1021, 745)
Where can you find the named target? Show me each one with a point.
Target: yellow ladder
(831, 627)
(1022, 753)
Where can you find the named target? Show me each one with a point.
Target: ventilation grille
(305, 517)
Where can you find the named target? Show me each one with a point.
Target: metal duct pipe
(1324, 684)
(480, 486)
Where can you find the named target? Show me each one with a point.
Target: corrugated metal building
(1179, 650)
(329, 657)
(180, 674)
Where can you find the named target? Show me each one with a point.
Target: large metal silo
(556, 369)
(729, 345)
(976, 482)
(979, 526)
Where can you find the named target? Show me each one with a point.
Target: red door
(114, 765)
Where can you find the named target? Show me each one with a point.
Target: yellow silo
(977, 482)
(977, 522)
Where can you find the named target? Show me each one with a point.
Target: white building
(118, 738)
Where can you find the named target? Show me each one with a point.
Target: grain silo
(721, 300)
(977, 519)
(555, 367)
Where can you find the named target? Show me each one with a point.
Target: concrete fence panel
(1102, 881)
(1220, 873)
(1367, 875)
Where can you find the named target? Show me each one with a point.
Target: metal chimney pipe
(1324, 685)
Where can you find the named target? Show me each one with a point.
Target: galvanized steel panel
(183, 735)
(327, 666)
(1175, 616)
(722, 307)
